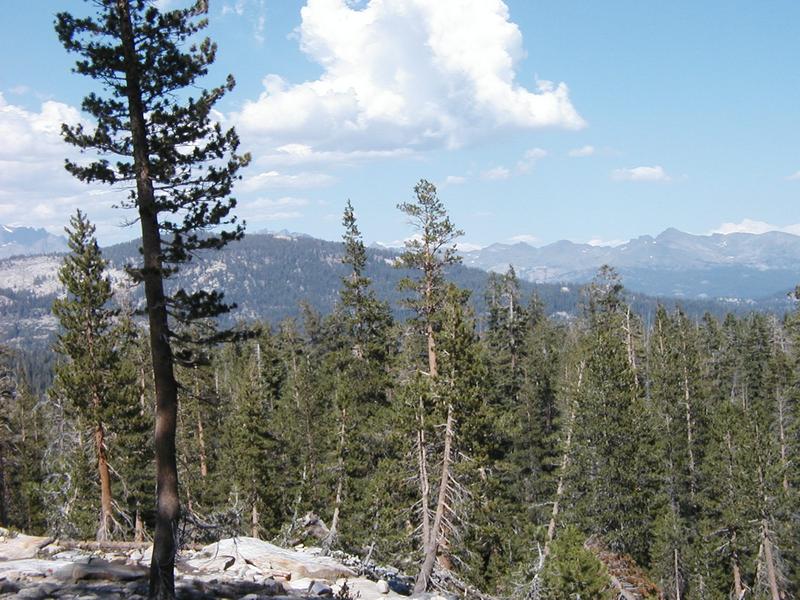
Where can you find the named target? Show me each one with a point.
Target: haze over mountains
(269, 274)
(740, 266)
(673, 264)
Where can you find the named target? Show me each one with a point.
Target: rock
(268, 559)
(18, 569)
(383, 586)
(399, 586)
(21, 546)
(8, 587)
(100, 569)
(317, 588)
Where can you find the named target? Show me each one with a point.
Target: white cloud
(529, 159)
(524, 238)
(276, 179)
(404, 74)
(655, 173)
(35, 189)
(454, 180)
(753, 226)
(794, 176)
(582, 151)
(302, 154)
(496, 173)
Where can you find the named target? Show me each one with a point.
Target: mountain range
(17, 241)
(269, 276)
(744, 266)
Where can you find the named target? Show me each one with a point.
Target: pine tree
(612, 479)
(356, 371)
(573, 572)
(429, 253)
(183, 165)
(88, 379)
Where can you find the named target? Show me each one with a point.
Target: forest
(528, 460)
(499, 452)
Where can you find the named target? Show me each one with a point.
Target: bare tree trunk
(738, 589)
(424, 485)
(677, 576)
(432, 366)
(551, 527)
(772, 576)
(201, 443)
(689, 432)
(782, 438)
(255, 527)
(334, 530)
(437, 530)
(162, 566)
(106, 508)
(138, 527)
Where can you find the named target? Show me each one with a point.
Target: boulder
(24, 569)
(20, 546)
(267, 558)
(100, 569)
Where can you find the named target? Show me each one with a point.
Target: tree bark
(106, 508)
(437, 530)
(424, 485)
(255, 527)
(334, 530)
(772, 576)
(162, 566)
(551, 527)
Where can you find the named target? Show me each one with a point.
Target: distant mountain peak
(19, 241)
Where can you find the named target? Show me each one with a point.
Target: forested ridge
(659, 455)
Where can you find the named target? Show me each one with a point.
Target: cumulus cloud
(454, 180)
(794, 176)
(404, 74)
(655, 173)
(582, 151)
(753, 226)
(35, 190)
(496, 173)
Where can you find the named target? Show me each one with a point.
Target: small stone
(8, 587)
(317, 588)
(383, 586)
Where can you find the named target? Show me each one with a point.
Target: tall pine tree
(183, 165)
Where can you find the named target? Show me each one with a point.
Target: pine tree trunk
(782, 438)
(201, 443)
(162, 566)
(689, 432)
(437, 530)
(772, 576)
(255, 527)
(677, 576)
(551, 527)
(106, 509)
(333, 532)
(138, 527)
(424, 485)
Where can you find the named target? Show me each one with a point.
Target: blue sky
(538, 120)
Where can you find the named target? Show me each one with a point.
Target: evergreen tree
(183, 165)
(613, 479)
(573, 572)
(88, 380)
(429, 253)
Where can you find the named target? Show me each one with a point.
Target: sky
(538, 120)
